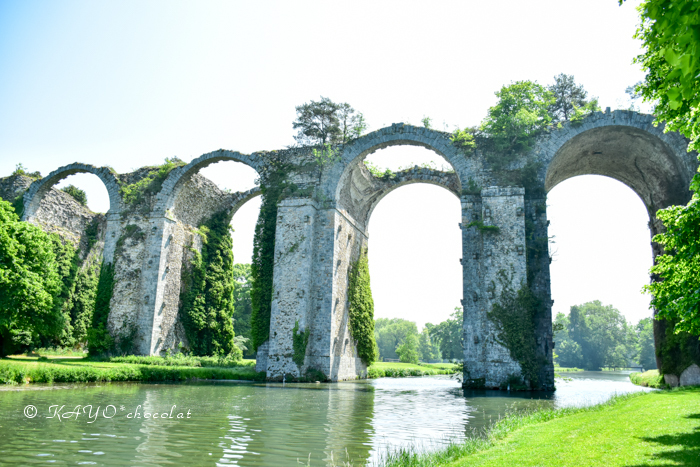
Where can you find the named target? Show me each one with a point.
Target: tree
(568, 351)
(408, 350)
(427, 350)
(646, 355)
(520, 114)
(596, 336)
(390, 333)
(671, 57)
(570, 100)
(242, 309)
(448, 336)
(676, 295)
(326, 122)
(29, 281)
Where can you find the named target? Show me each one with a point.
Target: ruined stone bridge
(323, 228)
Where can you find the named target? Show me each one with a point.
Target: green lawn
(19, 370)
(399, 369)
(643, 429)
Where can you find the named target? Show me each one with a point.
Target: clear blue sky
(129, 83)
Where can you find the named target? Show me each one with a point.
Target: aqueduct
(322, 228)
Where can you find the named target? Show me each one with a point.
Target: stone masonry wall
(502, 251)
(323, 227)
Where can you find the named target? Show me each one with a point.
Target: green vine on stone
(299, 342)
(99, 339)
(326, 155)
(262, 266)
(135, 193)
(484, 228)
(361, 310)
(207, 302)
(515, 315)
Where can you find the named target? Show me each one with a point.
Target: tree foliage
(646, 355)
(392, 332)
(570, 99)
(670, 35)
(207, 310)
(326, 122)
(676, 295)
(594, 336)
(242, 308)
(408, 349)
(521, 113)
(447, 335)
(427, 349)
(79, 195)
(30, 282)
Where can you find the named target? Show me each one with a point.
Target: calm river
(259, 424)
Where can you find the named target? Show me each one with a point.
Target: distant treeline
(399, 339)
(593, 336)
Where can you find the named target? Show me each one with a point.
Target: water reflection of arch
(38, 189)
(178, 177)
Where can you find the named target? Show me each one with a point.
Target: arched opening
(637, 158)
(601, 252)
(96, 194)
(211, 197)
(602, 239)
(234, 176)
(412, 216)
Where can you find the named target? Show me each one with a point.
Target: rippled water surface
(260, 424)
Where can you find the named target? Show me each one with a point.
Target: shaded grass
(618, 432)
(26, 370)
(649, 379)
(57, 351)
(182, 360)
(398, 369)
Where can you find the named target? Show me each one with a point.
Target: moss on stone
(300, 340)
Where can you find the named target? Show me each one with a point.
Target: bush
(79, 195)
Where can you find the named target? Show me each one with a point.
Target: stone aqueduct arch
(37, 190)
(318, 237)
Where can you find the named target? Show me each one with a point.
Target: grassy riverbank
(563, 369)
(657, 428)
(398, 369)
(649, 379)
(20, 370)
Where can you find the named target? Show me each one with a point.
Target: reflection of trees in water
(276, 425)
(349, 429)
(162, 441)
(418, 411)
